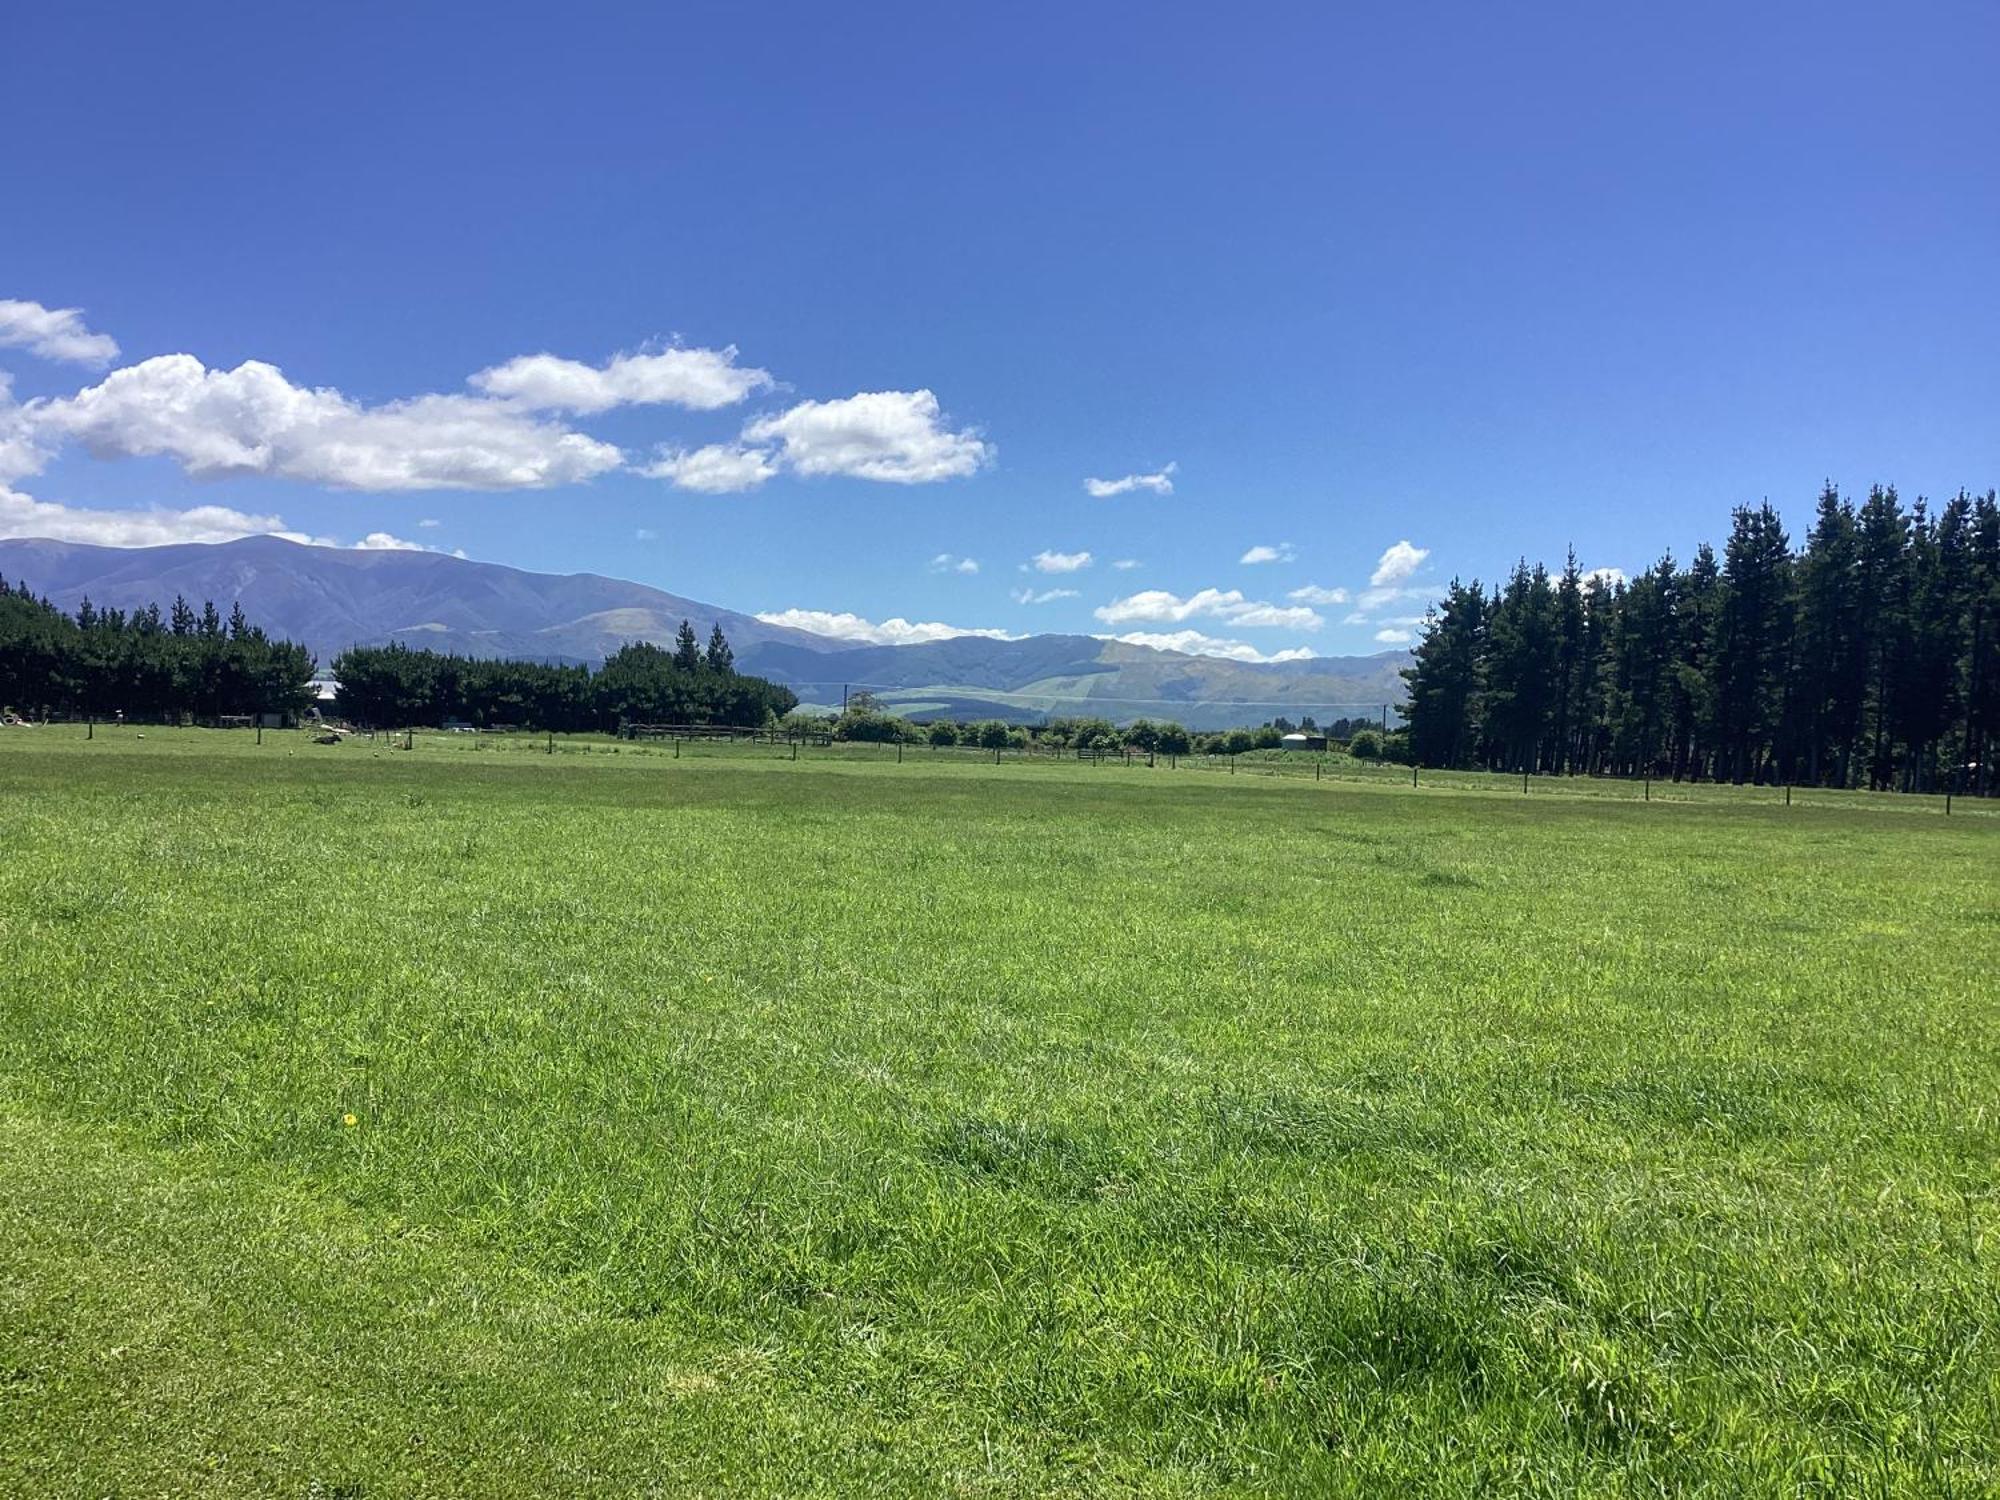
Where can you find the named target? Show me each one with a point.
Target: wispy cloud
(1314, 594)
(1160, 483)
(1127, 564)
(698, 379)
(1158, 606)
(949, 562)
(1060, 562)
(57, 333)
(1282, 553)
(1194, 643)
(892, 632)
(1043, 596)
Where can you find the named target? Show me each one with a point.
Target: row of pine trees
(142, 663)
(395, 686)
(1867, 657)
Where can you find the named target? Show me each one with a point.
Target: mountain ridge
(332, 598)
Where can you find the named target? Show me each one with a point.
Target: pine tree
(687, 652)
(719, 657)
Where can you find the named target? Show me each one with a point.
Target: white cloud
(1397, 563)
(949, 562)
(428, 522)
(896, 632)
(1611, 577)
(897, 437)
(716, 469)
(252, 420)
(1281, 553)
(1313, 594)
(1157, 606)
(1060, 562)
(1393, 637)
(1045, 596)
(645, 534)
(53, 333)
(699, 379)
(1161, 483)
(1376, 598)
(22, 515)
(158, 526)
(1127, 564)
(1194, 643)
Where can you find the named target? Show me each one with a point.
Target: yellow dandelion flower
(350, 1121)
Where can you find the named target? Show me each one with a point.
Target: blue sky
(1484, 281)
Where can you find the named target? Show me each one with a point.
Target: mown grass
(734, 1126)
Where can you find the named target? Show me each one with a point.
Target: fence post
(1788, 794)
(1947, 803)
(1315, 770)
(1413, 777)
(677, 747)
(795, 749)
(1524, 781)
(899, 752)
(409, 739)
(260, 731)
(90, 727)
(1649, 786)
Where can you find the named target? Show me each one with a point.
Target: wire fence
(1329, 769)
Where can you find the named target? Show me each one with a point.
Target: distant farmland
(476, 1120)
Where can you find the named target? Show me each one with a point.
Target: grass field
(477, 1121)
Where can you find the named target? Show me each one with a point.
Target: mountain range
(331, 598)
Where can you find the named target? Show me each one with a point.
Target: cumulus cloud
(23, 515)
(1314, 594)
(1397, 563)
(715, 469)
(1377, 598)
(1194, 643)
(1157, 606)
(382, 541)
(897, 437)
(1044, 596)
(1610, 577)
(894, 632)
(698, 379)
(252, 420)
(53, 333)
(948, 562)
(1060, 562)
(1393, 637)
(1280, 553)
(1161, 483)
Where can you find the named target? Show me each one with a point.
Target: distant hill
(332, 598)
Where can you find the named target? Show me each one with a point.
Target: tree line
(1864, 658)
(143, 664)
(639, 683)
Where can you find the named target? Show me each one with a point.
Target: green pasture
(479, 1120)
